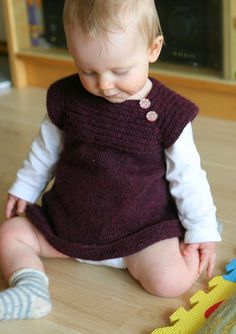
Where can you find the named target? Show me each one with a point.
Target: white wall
(2, 30)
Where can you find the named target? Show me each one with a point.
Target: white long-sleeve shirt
(187, 180)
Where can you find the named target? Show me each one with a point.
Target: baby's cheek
(89, 85)
(134, 83)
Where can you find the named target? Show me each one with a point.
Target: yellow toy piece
(221, 288)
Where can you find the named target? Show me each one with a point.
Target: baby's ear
(155, 49)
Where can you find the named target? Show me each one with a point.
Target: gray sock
(27, 297)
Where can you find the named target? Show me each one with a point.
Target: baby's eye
(87, 72)
(120, 72)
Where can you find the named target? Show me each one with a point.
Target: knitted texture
(27, 296)
(110, 197)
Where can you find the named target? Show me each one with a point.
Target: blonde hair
(98, 17)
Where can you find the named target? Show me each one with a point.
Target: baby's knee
(6, 231)
(169, 284)
(10, 229)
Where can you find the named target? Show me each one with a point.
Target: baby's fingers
(189, 248)
(14, 206)
(207, 260)
(211, 265)
(203, 263)
(10, 207)
(21, 205)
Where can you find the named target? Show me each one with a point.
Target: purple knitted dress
(110, 197)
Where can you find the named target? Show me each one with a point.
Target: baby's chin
(115, 98)
(119, 98)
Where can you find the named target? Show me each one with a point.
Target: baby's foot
(27, 297)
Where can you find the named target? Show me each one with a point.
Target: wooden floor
(98, 300)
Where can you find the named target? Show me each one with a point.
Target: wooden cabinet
(214, 92)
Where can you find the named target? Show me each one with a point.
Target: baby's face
(116, 68)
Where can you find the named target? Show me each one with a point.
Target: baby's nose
(106, 82)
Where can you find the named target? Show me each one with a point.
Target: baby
(128, 190)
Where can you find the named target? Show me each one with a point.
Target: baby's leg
(162, 270)
(20, 247)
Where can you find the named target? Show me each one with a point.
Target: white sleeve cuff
(25, 191)
(203, 229)
(202, 236)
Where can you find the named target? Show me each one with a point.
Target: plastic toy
(202, 304)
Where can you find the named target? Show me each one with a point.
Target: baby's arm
(37, 169)
(190, 188)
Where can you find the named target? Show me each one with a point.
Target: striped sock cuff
(26, 273)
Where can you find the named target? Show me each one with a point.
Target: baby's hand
(207, 255)
(14, 206)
